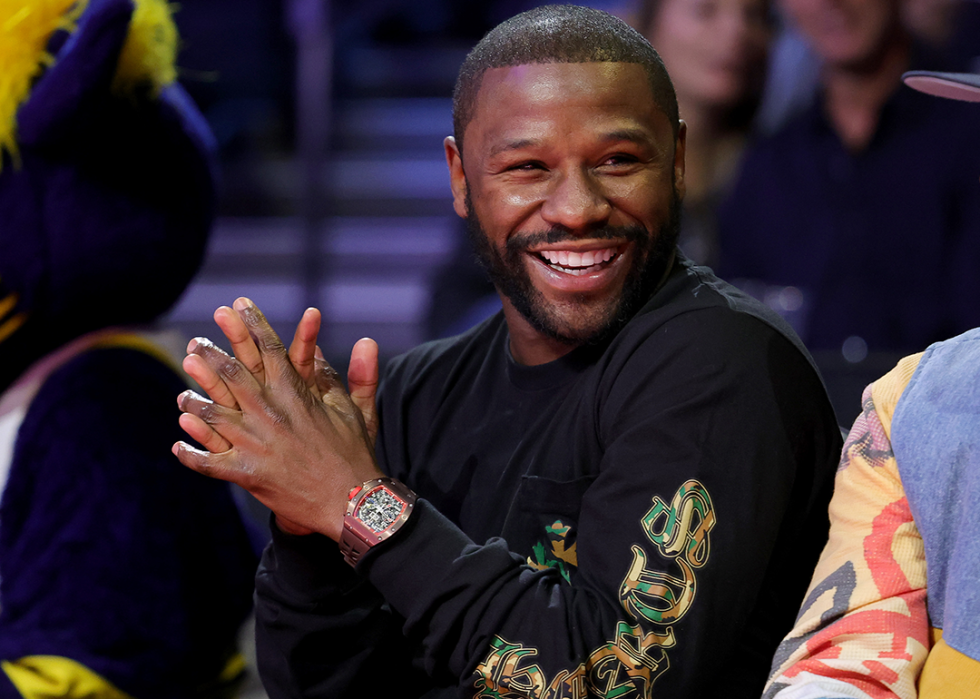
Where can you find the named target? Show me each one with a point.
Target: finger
(237, 379)
(212, 425)
(362, 380)
(202, 433)
(242, 344)
(210, 464)
(303, 348)
(207, 379)
(278, 368)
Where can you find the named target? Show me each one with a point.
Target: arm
(863, 629)
(477, 607)
(324, 631)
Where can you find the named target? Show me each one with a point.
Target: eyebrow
(627, 134)
(516, 144)
(639, 136)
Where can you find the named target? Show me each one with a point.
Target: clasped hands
(280, 423)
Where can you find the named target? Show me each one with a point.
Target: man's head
(574, 171)
(847, 34)
(558, 34)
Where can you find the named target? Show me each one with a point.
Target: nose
(576, 203)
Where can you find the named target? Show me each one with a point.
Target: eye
(526, 166)
(619, 161)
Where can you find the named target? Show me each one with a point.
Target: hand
(298, 444)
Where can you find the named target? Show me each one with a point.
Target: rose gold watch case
(357, 536)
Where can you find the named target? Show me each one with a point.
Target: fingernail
(192, 345)
(317, 352)
(176, 449)
(242, 303)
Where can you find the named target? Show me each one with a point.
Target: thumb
(362, 382)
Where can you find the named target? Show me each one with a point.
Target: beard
(595, 322)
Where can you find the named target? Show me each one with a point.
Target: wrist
(376, 510)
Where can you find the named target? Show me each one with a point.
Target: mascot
(122, 574)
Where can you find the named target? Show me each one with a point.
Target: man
(620, 476)
(893, 607)
(862, 203)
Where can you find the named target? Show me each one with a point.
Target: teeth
(577, 262)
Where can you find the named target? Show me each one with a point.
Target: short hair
(559, 34)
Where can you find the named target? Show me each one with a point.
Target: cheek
(509, 208)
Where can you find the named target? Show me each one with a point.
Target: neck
(856, 93)
(528, 346)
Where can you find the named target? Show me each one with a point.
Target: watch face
(380, 509)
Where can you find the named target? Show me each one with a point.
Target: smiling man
(614, 488)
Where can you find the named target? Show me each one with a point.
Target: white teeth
(577, 262)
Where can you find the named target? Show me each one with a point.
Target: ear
(679, 163)
(457, 178)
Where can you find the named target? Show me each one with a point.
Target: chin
(577, 322)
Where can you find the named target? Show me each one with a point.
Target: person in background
(715, 51)
(893, 609)
(856, 219)
(120, 576)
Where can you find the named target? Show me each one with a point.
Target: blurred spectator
(860, 219)
(715, 52)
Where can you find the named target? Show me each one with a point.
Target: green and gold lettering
(681, 529)
(505, 675)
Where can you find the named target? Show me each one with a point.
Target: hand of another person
(292, 437)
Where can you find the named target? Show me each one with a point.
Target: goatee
(652, 252)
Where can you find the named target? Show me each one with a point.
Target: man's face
(846, 33)
(571, 191)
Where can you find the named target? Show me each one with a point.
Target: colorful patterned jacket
(894, 606)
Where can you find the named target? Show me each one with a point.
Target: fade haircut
(559, 34)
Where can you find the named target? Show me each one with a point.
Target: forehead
(567, 96)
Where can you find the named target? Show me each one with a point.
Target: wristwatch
(376, 509)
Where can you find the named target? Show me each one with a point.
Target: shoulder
(107, 406)
(945, 379)
(699, 312)
(703, 341)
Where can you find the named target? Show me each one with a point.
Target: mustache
(523, 241)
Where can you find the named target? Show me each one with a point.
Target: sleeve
(322, 630)
(121, 573)
(863, 630)
(710, 469)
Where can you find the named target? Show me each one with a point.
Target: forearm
(321, 629)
